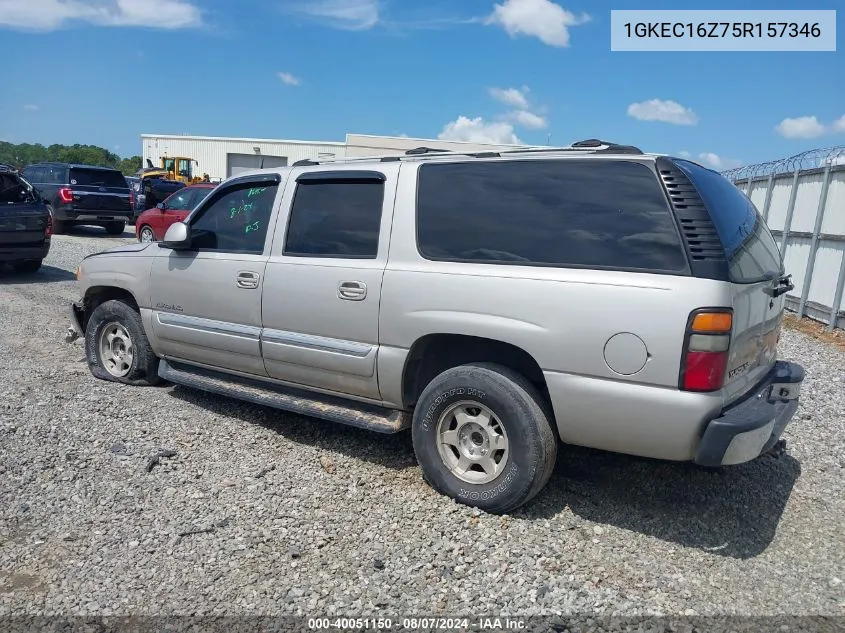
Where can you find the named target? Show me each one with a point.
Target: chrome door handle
(247, 279)
(352, 290)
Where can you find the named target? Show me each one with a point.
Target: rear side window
(97, 178)
(55, 175)
(335, 218)
(567, 213)
(751, 250)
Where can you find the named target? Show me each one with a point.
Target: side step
(299, 401)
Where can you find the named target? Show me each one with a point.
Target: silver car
(495, 303)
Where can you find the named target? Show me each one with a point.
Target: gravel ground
(262, 512)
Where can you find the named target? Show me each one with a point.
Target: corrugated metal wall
(805, 209)
(211, 152)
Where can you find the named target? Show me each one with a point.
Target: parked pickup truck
(497, 303)
(25, 224)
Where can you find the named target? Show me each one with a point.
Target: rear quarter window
(750, 249)
(604, 214)
(98, 178)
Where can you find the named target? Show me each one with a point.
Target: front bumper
(75, 330)
(747, 430)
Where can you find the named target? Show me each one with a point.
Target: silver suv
(495, 303)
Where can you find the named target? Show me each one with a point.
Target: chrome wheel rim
(472, 442)
(116, 350)
(146, 235)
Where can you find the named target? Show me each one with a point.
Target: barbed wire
(811, 159)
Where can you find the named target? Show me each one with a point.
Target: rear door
(99, 190)
(756, 274)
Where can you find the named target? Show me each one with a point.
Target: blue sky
(105, 71)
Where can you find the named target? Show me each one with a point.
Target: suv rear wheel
(27, 265)
(115, 228)
(116, 346)
(482, 436)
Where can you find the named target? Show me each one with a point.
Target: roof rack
(588, 146)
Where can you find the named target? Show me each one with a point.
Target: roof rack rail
(305, 162)
(425, 150)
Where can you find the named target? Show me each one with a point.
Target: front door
(322, 284)
(206, 300)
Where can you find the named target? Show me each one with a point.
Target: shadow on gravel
(391, 451)
(98, 231)
(45, 274)
(733, 511)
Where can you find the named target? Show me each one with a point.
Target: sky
(507, 71)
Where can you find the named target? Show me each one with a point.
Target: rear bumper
(100, 215)
(14, 253)
(746, 430)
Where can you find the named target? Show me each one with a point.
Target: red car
(152, 224)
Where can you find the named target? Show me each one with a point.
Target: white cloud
(839, 124)
(289, 79)
(31, 107)
(48, 15)
(352, 15)
(543, 19)
(800, 127)
(718, 162)
(524, 118)
(684, 154)
(665, 111)
(478, 130)
(511, 96)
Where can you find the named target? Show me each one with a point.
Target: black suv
(25, 224)
(82, 194)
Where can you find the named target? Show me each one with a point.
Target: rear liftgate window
(567, 213)
(750, 249)
(97, 178)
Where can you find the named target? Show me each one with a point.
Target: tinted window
(97, 178)
(749, 246)
(236, 220)
(14, 190)
(55, 174)
(335, 218)
(182, 200)
(592, 213)
(200, 194)
(36, 175)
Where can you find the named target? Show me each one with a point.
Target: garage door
(237, 163)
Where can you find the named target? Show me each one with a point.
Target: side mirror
(160, 206)
(177, 237)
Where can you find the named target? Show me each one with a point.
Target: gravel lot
(282, 514)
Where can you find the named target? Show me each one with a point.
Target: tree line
(24, 154)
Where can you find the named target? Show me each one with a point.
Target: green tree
(23, 154)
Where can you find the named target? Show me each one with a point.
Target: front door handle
(247, 279)
(352, 290)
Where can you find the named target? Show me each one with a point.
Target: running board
(365, 416)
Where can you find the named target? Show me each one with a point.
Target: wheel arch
(433, 354)
(97, 295)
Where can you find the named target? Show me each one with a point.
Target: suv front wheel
(116, 346)
(482, 436)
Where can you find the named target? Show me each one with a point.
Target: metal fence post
(787, 223)
(768, 201)
(814, 244)
(837, 299)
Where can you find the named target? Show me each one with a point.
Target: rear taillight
(66, 194)
(706, 345)
(48, 228)
(131, 200)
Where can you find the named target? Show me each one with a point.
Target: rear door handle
(248, 279)
(352, 290)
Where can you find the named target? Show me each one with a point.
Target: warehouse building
(222, 157)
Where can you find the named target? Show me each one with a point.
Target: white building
(221, 157)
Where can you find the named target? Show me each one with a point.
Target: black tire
(520, 409)
(60, 226)
(144, 366)
(27, 265)
(115, 228)
(144, 228)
